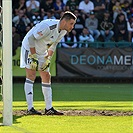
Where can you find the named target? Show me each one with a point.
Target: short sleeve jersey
(33, 6)
(72, 5)
(46, 34)
(86, 7)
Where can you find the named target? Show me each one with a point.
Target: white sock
(28, 87)
(47, 92)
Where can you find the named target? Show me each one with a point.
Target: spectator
(120, 28)
(127, 8)
(59, 6)
(62, 13)
(106, 27)
(111, 4)
(131, 9)
(13, 2)
(19, 17)
(45, 6)
(15, 40)
(92, 24)
(49, 15)
(116, 10)
(79, 22)
(35, 17)
(28, 27)
(13, 8)
(99, 8)
(20, 5)
(107, 4)
(72, 5)
(31, 6)
(85, 37)
(86, 6)
(130, 28)
(65, 1)
(70, 40)
(21, 21)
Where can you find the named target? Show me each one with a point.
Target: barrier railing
(99, 44)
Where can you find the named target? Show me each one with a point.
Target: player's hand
(46, 64)
(33, 61)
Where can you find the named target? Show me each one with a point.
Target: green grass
(80, 92)
(75, 96)
(79, 105)
(69, 124)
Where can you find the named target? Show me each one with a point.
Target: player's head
(68, 15)
(67, 21)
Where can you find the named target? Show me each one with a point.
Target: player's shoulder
(52, 23)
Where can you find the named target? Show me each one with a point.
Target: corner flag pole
(7, 62)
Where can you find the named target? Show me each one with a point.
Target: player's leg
(46, 88)
(47, 92)
(28, 87)
(30, 77)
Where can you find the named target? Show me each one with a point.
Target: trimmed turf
(69, 124)
(75, 96)
(80, 92)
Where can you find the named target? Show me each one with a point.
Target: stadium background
(122, 47)
(68, 72)
(75, 96)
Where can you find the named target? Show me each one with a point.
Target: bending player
(37, 49)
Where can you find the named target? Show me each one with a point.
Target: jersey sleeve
(41, 31)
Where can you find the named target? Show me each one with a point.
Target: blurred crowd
(97, 20)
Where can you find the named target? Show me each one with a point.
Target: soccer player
(37, 49)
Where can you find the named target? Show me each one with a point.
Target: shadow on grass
(15, 128)
(1, 119)
(15, 117)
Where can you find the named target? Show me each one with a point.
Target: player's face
(69, 25)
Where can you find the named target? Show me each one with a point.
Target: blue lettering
(83, 59)
(91, 59)
(100, 60)
(74, 59)
(109, 60)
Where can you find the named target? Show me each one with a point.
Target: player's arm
(47, 59)
(33, 60)
(54, 45)
(47, 62)
(39, 33)
(51, 50)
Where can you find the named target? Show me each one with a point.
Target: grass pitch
(114, 97)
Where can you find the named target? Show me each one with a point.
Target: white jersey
(46, 34)
(86, 7)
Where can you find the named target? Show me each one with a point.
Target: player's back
(43, 24)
